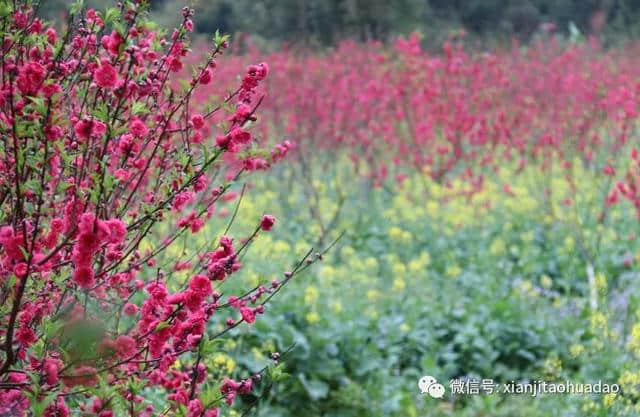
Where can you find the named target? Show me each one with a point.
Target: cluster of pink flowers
(223, 261)
(231, 388)
(106, 75)
(629, 186)
(92, 235)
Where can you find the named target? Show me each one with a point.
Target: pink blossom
(200, 284)
(138, 127)
(248, 314)
(31, 77)
(267, 222)
(83, 276)
(106, 75)
(125, 346)
(198, 121)
(206, 76)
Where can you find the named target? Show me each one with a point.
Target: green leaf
(111, 15)
(161, 325)
(76, 7)
(119, 27)
(101, 112)
(40, 406)
(139, 108)
(210, 346)
(108, 182)
(5, 9)
(276, 373)
(39, 104)
(219, 39)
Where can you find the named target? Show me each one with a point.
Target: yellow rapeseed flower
(399, 284)
(634, 341)
(310, 294)
(398, 268)
(601, 283)
(609, 399)
(598, 321)
(373, 295)
(629, 381)
(576, 350)
(453, 271)
(371, 263)
(312, 317)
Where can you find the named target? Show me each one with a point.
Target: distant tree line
(326, 21)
